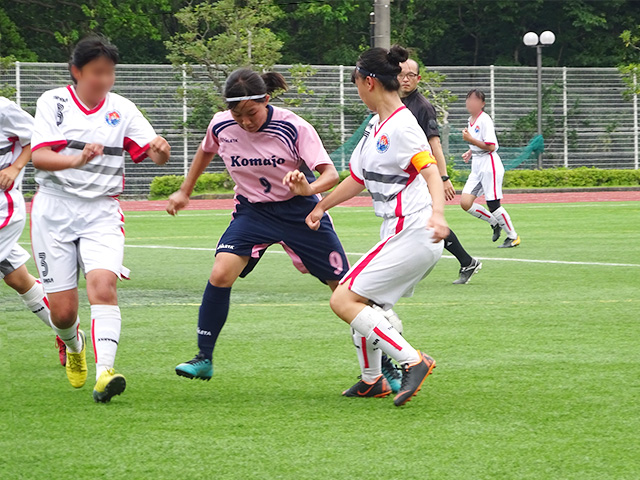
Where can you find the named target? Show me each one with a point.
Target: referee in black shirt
(427, 118)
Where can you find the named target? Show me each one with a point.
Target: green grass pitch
(538, 364)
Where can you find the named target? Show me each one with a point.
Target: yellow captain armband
(422, 160)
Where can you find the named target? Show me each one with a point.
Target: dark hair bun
(274, 82)
(397, 55)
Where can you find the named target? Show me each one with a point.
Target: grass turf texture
(538, 365)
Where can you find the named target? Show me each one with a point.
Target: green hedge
(162, 187)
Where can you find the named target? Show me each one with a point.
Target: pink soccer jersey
(258, 161)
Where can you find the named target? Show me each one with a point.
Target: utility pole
(381, 23)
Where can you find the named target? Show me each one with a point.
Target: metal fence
(586, 119)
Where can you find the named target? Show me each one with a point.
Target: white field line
(499, 259)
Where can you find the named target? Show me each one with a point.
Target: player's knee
(465, 204)
(339, 300)
(102, 288)
(63, 316)
(221, 278)
(20, 280)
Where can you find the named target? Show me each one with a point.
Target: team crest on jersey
(477, 128)
(112, 118)
(383, 144)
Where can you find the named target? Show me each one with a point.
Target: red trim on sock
(378, 332)
(93, 339)
(364, 352)
(506, 221)
(482, 213)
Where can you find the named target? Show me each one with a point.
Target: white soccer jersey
(382, 162)
(66, 125)
(16, 126)
(482, 129)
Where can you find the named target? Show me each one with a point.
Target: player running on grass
(394, 162)
(15, 152)
(487, 171)
(424, 112)
(271, 154)
(81, 132)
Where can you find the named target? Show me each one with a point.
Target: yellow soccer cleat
(76, 366)
(109, 384)
(511, 242)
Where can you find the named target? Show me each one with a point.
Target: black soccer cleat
(510, 242)
(467, 272)
(413, 377)
(379, 388)
(497, 231)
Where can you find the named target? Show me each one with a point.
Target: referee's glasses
(410, 76)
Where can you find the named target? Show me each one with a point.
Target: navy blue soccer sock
(212, 317)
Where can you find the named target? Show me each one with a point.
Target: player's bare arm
(180, 199)
(9, 174)
(347, 189)
(437, 222)
(159, 150)
(436, 148)
(299, 185)
(46, 159)
(466, 136)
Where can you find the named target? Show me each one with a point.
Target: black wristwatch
(445, 178)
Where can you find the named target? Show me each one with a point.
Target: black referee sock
(453, 246)
(212, 317)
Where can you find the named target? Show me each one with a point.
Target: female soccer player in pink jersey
(487, 171)
(394, 162)
(80, 135)
(271, 154)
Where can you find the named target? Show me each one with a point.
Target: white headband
(241, 99)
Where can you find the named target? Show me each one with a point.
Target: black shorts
(256, 226)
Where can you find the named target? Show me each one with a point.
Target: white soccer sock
(370, 358)
(36, 301)
(505, 222)
(105, 334)
(70, 336)
(392, 316)
(379, 332)
(482, 213)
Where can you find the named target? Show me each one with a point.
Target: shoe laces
(197, 359)
(389, 368)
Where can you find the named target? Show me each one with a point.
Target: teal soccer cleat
(198, 367)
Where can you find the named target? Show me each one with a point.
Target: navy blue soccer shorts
(256, 226)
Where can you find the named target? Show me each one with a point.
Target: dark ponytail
(383, 65)
(244, 82)
(90, 48)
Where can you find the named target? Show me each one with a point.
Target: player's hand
(438, 224)
(449, 191)
(8, 176)
(466, 136)
(466, 156)
(161, 148)
(313, 219)
(89, 152)
(177, 201)
(297, 183)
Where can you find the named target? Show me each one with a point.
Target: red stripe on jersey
(364, 352)
(9, 209)
(376, 130)
(354, 176)
(398, 211)
(82, 108)
(378, 332)
(56, 145)
(362, 264)
(137, 152)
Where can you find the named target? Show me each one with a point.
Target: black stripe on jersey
(382, 178)
(218, 127)
(379, 197)
(76, 145)
(103, 169)
(77, 185)
(5, 150)
(284, 136)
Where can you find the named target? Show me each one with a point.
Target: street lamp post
(531, 39)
